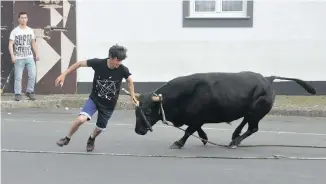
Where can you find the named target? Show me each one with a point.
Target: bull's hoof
(203, 137)
(234, 144)
(204, 142)
(176, 145)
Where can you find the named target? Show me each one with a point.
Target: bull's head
(147, 114)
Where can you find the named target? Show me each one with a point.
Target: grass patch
(301, 100)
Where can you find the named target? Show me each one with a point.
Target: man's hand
(60, 80)
(135, 101)
(37, 58)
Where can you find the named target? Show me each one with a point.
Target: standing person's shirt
(106, 82)
(22, 42)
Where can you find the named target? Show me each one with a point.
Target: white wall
(286, 34)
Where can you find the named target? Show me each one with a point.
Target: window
(218, 8)
(217, 13)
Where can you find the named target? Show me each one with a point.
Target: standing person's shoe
(18, 97)
(31, 96)
(90, 144)
(63, 141)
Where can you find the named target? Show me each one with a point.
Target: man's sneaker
(90, 144)
(31, 96)
(17, 97)
(63, 141)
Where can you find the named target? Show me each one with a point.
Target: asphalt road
(121, 156)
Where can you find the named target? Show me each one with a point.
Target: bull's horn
(156, 98)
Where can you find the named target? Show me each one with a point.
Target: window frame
(190, 21)
(219, 13)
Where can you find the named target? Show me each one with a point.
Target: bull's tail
(302, 83)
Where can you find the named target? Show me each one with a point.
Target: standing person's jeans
(31, 69)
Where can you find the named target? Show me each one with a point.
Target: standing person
(21, 42)
(107, 79)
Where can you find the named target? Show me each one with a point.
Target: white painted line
(123, 124)
(26, 120)
(225, 129)
(269, 131)
(164, 126)
(162, 155)
(298, 133)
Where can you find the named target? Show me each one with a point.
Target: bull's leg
(252, 128)
(202, 135)
(189, 131)
(259, 109)
(238, 130)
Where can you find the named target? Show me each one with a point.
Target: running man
(108, 76)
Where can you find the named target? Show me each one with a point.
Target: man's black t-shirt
(106, 82)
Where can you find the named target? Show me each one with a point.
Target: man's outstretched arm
(74, 67)
(60, 80)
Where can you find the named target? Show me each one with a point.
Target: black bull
(201, 98)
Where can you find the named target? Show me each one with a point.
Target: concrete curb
(125, 104)
(58, 103)
(298, 112)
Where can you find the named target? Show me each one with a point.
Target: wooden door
(54, 24)
(6, 64)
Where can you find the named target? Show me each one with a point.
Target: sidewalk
(314, 106)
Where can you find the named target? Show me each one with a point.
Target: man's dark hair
(21, 13)
(117, 51)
